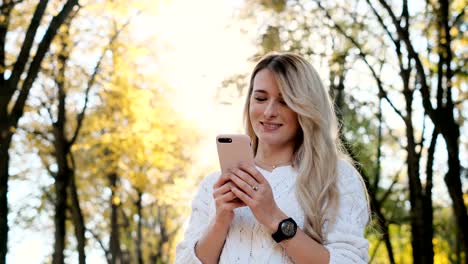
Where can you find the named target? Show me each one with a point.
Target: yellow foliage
(116, 200)
(135, 133)
(459, 4)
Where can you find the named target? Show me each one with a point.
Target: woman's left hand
(255, 191)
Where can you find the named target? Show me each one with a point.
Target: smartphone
(234, 149)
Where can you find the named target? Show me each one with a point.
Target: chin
(271, 139)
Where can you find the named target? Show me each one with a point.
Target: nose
(271, 109)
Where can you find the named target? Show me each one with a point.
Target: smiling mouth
(270, 126)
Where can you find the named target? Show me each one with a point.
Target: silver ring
(255, 188)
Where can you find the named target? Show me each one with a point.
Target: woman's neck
(273, 156)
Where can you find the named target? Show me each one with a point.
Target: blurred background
(109, 110)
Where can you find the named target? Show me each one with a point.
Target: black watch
(286, 230)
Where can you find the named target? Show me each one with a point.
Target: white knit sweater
(249, 242)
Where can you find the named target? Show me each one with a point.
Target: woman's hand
(225, 200)
(254, 190)
(208, 248)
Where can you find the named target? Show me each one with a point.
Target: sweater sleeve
(345, 239)
(199, 219)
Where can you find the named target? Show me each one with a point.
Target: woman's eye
(282, 102)
(260, 99)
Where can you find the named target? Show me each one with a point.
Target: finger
(223, 189)
(242, 196)
(253, 172)
(227, 197)
(223, 178)
(234, 205)
(237, 200)
(230, 198)
(242, 185)
(245, 177)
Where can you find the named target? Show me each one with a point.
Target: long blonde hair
(318, 146)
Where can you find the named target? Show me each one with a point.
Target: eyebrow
(260, 91)
(265, 92)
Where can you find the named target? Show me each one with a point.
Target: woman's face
(273, 121)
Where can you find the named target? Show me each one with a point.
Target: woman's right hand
(225, 200)
(209, 246)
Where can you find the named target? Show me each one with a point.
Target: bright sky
(206, 47)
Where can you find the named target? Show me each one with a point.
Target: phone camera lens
(224, 140)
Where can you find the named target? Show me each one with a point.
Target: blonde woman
(301, 202)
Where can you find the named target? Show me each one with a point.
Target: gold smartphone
(234, 149)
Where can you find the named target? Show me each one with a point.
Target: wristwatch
(286, 230)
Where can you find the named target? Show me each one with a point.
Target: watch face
(288, 228)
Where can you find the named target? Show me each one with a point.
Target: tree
(15, 78)
(398, 34)
(63, 142)
(140, 146)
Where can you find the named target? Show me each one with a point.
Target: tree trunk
(61, 183)
(114, 242)
(5, 135)
(139, 240)
(77, 216)
(9, 119)
(453, 182)
(78, 221)
(450, 128)
(61, 195)
(421, 223)
(5, 139)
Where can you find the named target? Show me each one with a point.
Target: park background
(109, 110)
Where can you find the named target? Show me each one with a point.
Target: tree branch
(405, 14)
(47, 166)
(446, 43)
(458, 17)
(10, 3)
(421, 142)
(363, 56)
(101, 244)
(382, 23)
(39, 134)
(5, 12)
(27, 45)
(379, 146)
(91, 81)
(49, 111)
(374, 252)
(430, 163)
(43, 47)
(404, 35)
(389, 190)
(47, 195)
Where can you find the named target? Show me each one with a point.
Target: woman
(302, 202)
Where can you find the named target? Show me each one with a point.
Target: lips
(270, 126)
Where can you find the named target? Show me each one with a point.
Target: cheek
(294, 121)
(253, 111)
